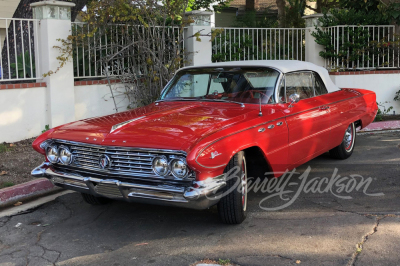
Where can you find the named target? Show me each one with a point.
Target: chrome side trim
(240, 131)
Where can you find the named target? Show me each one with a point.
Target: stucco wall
(95, 100)
(384, 85)
(24, 112)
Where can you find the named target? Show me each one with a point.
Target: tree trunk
(281, 12)
(319, 6)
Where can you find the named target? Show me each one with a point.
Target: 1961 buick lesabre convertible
(252, 116)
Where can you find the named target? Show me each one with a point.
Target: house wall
(24, 111)
(384, 83)
(225, 18)
(8, 8)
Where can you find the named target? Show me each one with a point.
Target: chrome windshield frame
(281, 75)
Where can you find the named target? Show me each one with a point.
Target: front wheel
(345, 149)
(232, 208)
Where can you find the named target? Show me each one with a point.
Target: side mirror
(294, 98)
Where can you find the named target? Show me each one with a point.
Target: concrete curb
(26, 191)
(381, 126)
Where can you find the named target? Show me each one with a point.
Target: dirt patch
(17, 160)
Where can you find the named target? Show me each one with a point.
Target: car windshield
(239, 84)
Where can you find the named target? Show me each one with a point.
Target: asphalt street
(309, 220)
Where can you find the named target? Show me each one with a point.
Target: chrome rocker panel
(200, 195)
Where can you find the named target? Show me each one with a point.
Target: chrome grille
(125, 161)
(108, 190)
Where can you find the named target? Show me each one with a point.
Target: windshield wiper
(178, 99)
(221, 100)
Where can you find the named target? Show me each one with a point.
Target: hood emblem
(104, 162)
(215, 154)
(115, 127)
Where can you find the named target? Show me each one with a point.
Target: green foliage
(397, 96)
(205, 4)
(357, 44)
(294, 13)
(23, 60)
(46, 127)
(354, 43)
(382, 112)
(224, 262)
(391, 11)
(361, 5)
(4, 147)
(239, 45)
(353, 17)
(6, 184)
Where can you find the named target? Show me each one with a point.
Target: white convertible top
(284, 66)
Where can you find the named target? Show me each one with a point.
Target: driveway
(355, 221)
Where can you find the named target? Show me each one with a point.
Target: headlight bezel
(162, 157)
(183, 161)
(55, 150)
(67, 149)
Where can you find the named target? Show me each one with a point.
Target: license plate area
(108, 190)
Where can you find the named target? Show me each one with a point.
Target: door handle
(324, 107)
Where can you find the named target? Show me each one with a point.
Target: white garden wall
(95, 100)
(24, 112)
(384, 85)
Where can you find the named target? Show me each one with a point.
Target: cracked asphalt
(358, 227)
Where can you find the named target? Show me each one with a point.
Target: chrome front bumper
(200, 195)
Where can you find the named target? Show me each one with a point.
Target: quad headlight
(176, 166)
(65, 155)
(179, 168)
(160, 165)
(52, 153)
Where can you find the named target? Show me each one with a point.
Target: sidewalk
(383, 125)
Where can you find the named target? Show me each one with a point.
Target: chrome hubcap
(348, 137)
(244, 184)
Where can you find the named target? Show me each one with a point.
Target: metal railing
(90, 54)
(362, 47)
(238, 44)
(19, 53)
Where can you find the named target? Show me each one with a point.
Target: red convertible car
(213, 127)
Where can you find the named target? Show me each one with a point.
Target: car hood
(174, 126)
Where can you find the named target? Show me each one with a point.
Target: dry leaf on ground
(141, 244)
